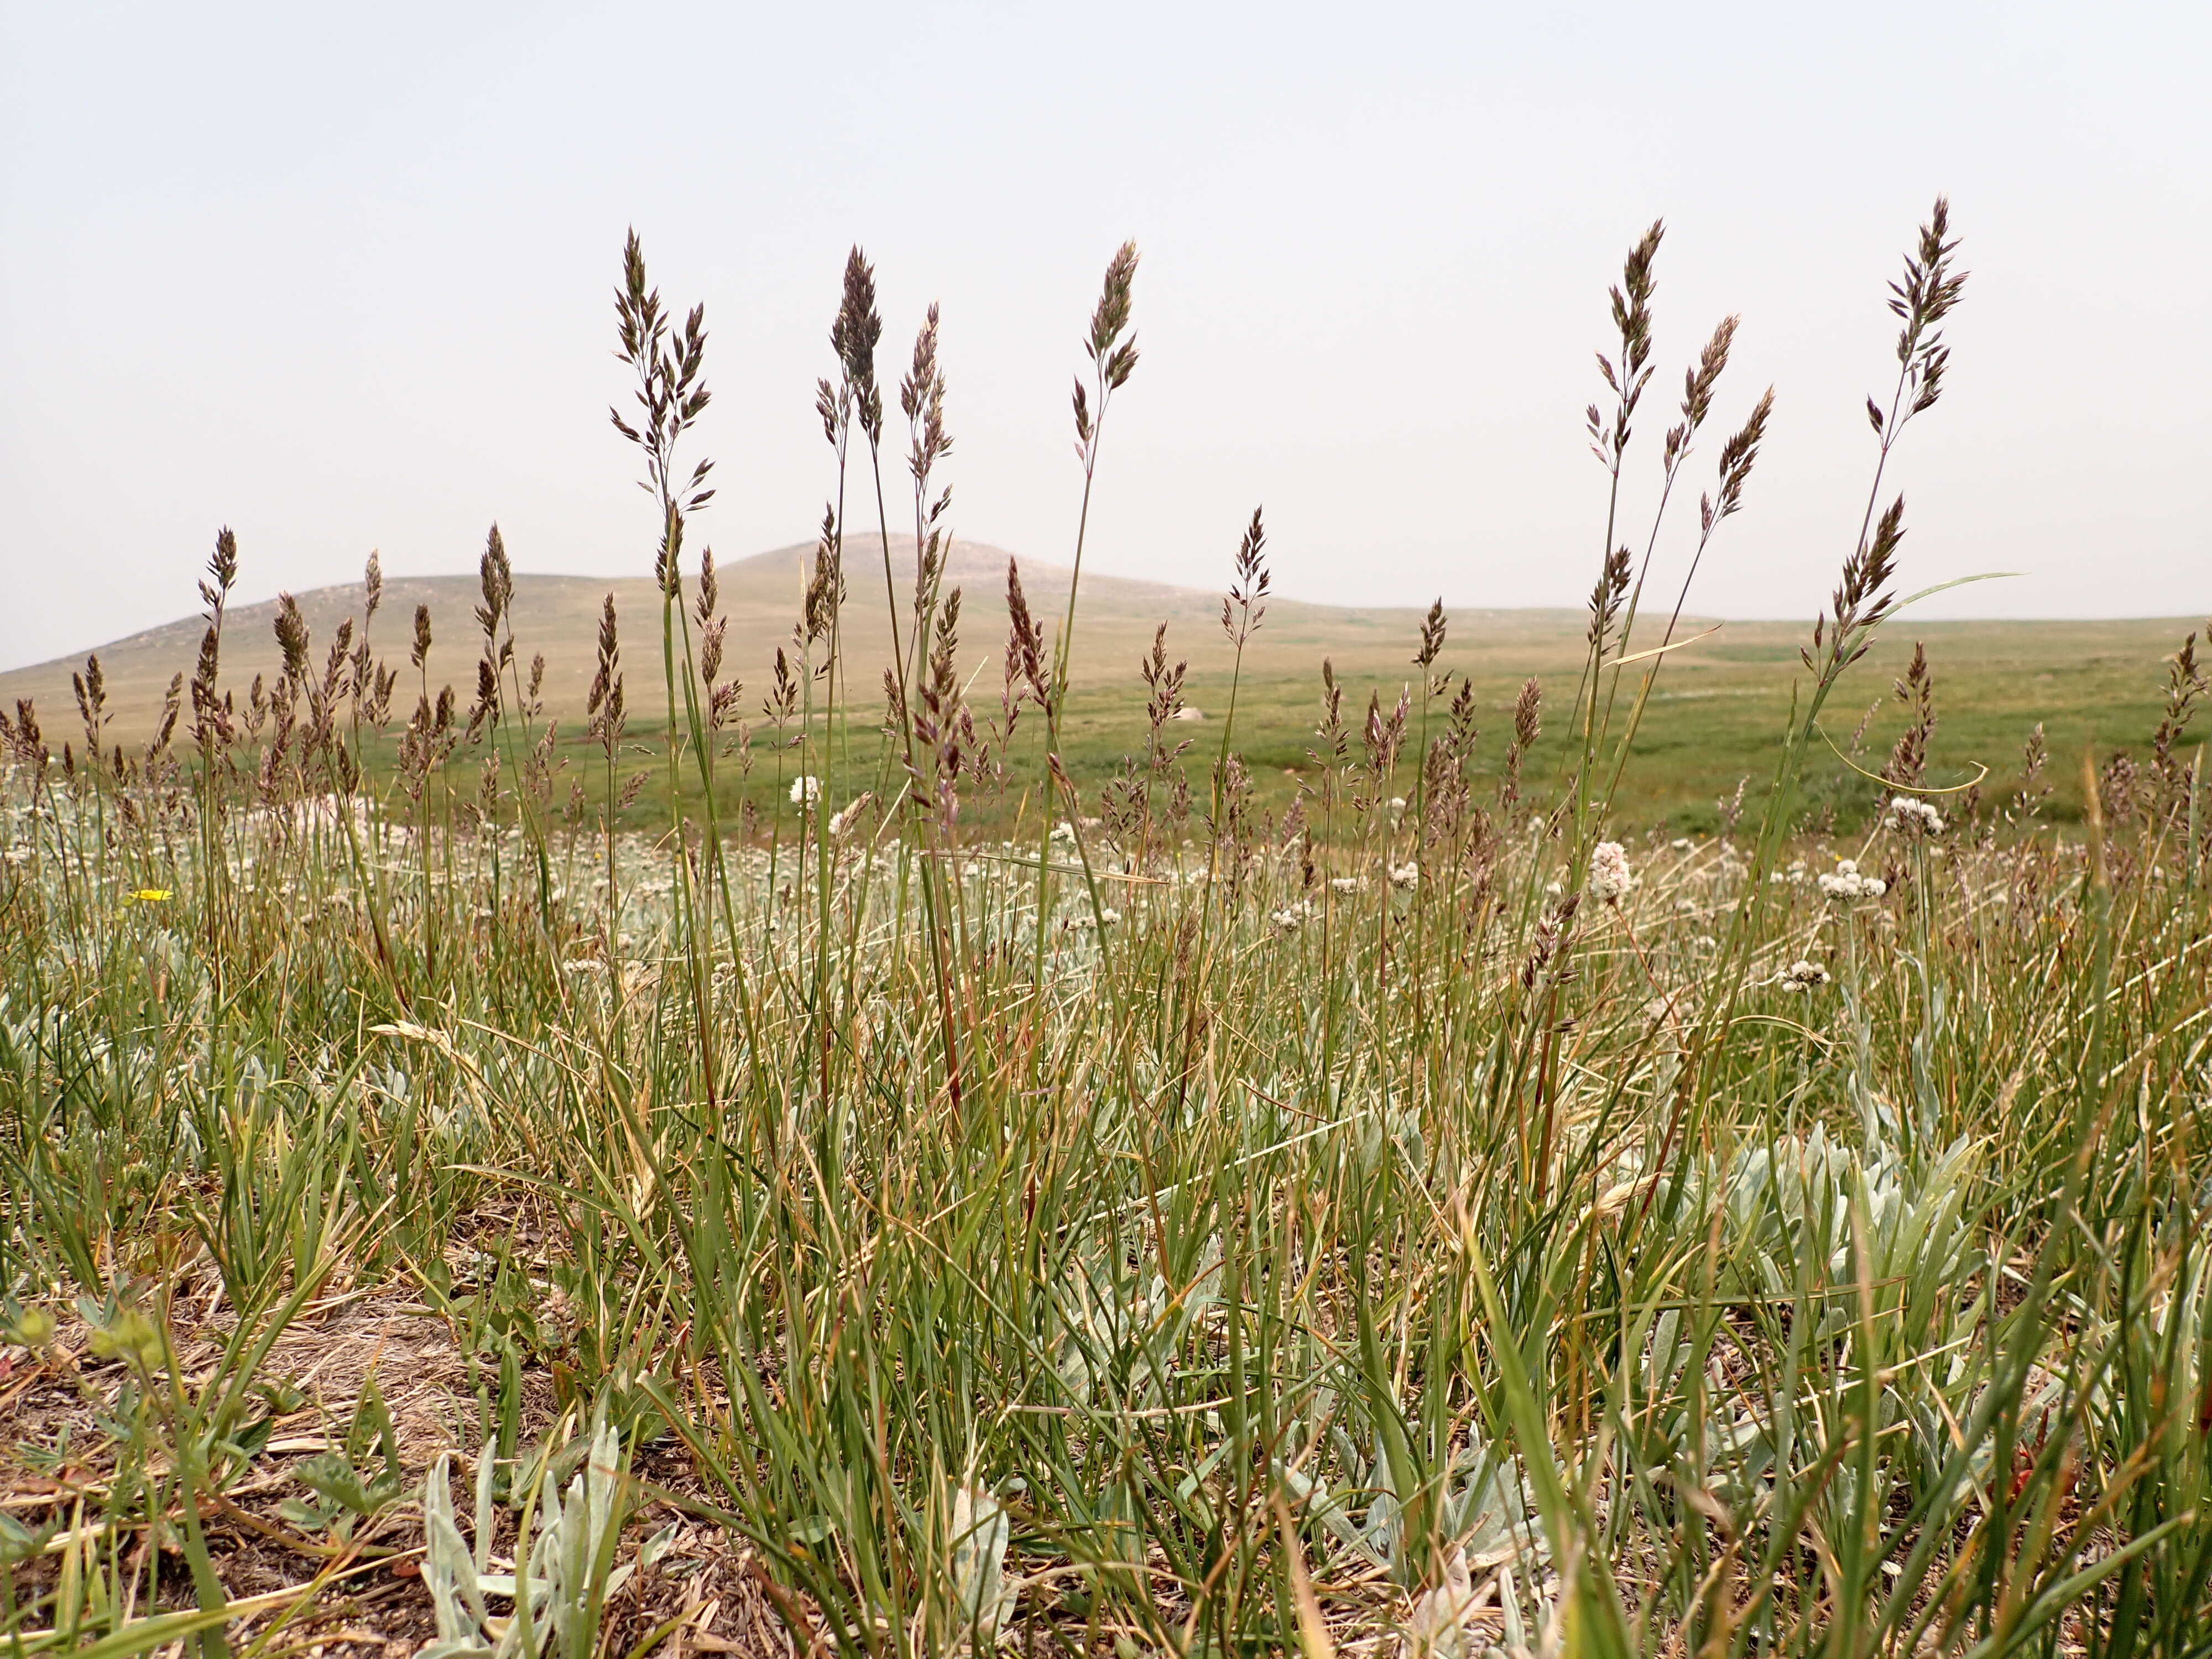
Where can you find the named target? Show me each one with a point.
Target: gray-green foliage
(556, 1596)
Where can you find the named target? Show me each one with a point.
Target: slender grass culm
(860, 1178)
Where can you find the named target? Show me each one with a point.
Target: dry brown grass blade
(1313, 1630)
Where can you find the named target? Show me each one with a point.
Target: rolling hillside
(1712, 720)
(559, 616)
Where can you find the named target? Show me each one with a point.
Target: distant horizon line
(74, 655)
(1045, 601)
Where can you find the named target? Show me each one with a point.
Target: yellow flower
(149, 896)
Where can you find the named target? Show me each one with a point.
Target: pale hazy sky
(341, 276)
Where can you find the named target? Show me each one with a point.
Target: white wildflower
(1064, 831)
(17, 855)
(1610, 878)
(1803, 976)
(1346, 884)
(806, 790)
(1680, 844)
(1908, 814)
(1108, 915)
(1397, 807)
(1291, 917)
(1404, 875)
(1847, 883)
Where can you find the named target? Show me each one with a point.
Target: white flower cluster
(1610, 878)
(806, 790)
(1847, 883)
(1909, 812)
(1405, 875)
(17, 855)
(1803, 976)
(1346, 884)
(1291, 917)
(1064, 831)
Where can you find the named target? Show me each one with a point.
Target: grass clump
(1428, 1217)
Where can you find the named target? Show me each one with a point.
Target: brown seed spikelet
(496, 578)
(1024, 640)
(292, 638)
(853, 337)
(1432, 635)
(1738, 456)
(1112, 350)
(1247, 588)
(91, 689)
